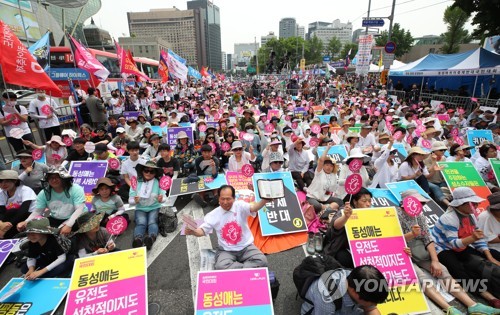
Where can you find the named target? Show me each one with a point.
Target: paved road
(174, 261)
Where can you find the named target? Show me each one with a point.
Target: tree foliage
(353, 47)
(400, 36)
(334, 46)
(456, 34)
(485, 20)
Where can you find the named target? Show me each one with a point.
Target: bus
(62, 68)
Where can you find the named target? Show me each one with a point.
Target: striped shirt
(446, 232)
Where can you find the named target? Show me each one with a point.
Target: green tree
(353, 47)
(456, 34)
(334, 46)
(485, 12)
(313, 51)
(400, 36)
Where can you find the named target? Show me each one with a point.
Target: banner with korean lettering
(402, 153)
(42, 296)
(86, 174)
(176, 68)
(85, 60)
(240, 183)
(299, 112)
(432, 211)
(217, 292)
(464, 174)
(115, 282)
(180, 186)
(19, 67)
(383, 198)
(495, 165)
(476, 137)
(280, 216)
(336, 152)
(6, 247)
(172, 134)
(375, 238)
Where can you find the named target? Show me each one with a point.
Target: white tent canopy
(396, 64)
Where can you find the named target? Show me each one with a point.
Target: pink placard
(114, 164)
(426, 144)
(37, 154)
(421, 128)
(133, 182)
(388, 118)
(412, 206)
(225, 146)
(247, 170)
(355, 165)
(316, 128)
(56, 157)
(295, 125)
(120, 152)
(68, 141)
(165, 182)
(313, 142)
(117, 225)
(353, 184)
(208, 179)
(459, 140)
(241, 135)
(213, 146)
(16, 121)
(418, 122)
(454, 132)
(202, 128)
(269, 128)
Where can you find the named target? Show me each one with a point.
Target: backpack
(310, 269)
(167, 221)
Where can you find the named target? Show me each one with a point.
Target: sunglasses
(238, 149)
(279, 162)
(149, 170)
(211, 138)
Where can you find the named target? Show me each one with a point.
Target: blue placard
(383, 198)
(324, 119)
(42, 296)
(476, 137)
(283, 215)
(63, 74)
(337, 152)
(326, 58)
(398, 187)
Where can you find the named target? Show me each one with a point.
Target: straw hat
(417, 150)
(438, 145)
(139, 167)
(182, 135)
(9, 175)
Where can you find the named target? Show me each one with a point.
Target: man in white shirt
(44, 109)
(367, 140)
(127, 170)
(236, 249)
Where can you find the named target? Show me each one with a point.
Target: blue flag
(176, 56)
(41, 51)
(194, 73)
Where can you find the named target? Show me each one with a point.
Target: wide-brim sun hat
(463, 195)
(150, 164)
(276, 157)
(494, 200)
(236, 145)
(438, 145)
(61, 171)
(24, 153)
(88, 221)
(356, 153)
(417, 150)
(182, 135)
(274, 142)
(56, 139)
(103, 181)
(9, 175)
(414, 193)
(39, 226)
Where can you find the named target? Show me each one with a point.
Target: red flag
(129, 67)
(204, 72)
(18, 65)
(162, 67)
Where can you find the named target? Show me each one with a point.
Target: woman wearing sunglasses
(239, 157)
(210, 140)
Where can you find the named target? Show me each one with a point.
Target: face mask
(249, 130)
(41, 95)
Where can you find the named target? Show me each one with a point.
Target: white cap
(120, 130)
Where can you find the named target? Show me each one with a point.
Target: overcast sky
(242, 21)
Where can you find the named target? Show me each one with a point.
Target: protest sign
(6, 247)
(495, 165)
(492, 109)
(42, 296)
(299, 112)
(355, 129)
(115, 282)
(86, 174)
(318, 110)
(217, 292)
(402, 154)
(283, 215)
(383, 198)
(324, 119)
(181, 187)
(464, 174)
(273, 113)
(173, 132)
(476, 137)
(129, 115)
(240, 183)
(158, 130)
(443, 118)
(336, 152)
(375, 238)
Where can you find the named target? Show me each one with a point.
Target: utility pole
(256, 57)
(391, 19)
(368, 15)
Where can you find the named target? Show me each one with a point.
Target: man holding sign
(236, 249)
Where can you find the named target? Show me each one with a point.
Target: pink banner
(85, 60)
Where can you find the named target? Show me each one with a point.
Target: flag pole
(3, 80)
(22, 21)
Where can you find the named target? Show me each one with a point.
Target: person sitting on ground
(46, 257)
(167, 162)
(489, 223)
(386, 168)
(127, 170)
(208, 165)
(55, 150)
(64, 200)
(91, 238)
(134, 131)
(460, 245)
(152, 151)
(276, 161)
(436, 180)
(239, 157)
(424, 256)
(457, 153)
(101, 135)
(299, 162)
(106, 200)
(320, 194)
(355, 299)
(16, 203)
(345, 172)
(30, 172)
(147, 198)
(236, 249)
(79, 153)
(184, 152)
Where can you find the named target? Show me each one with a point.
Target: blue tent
(475, 70)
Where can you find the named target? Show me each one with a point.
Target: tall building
(243, 52)
(314, 26)
(301, 31)
(343, 31)
(266, 38)
(229, 59)
(97, 38)
(224, 61)
(211, 14)
(288, 28)
(148, 47)
(183, 29)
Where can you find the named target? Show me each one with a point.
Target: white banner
(364, 55)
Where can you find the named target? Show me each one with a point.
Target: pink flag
(85, 60)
